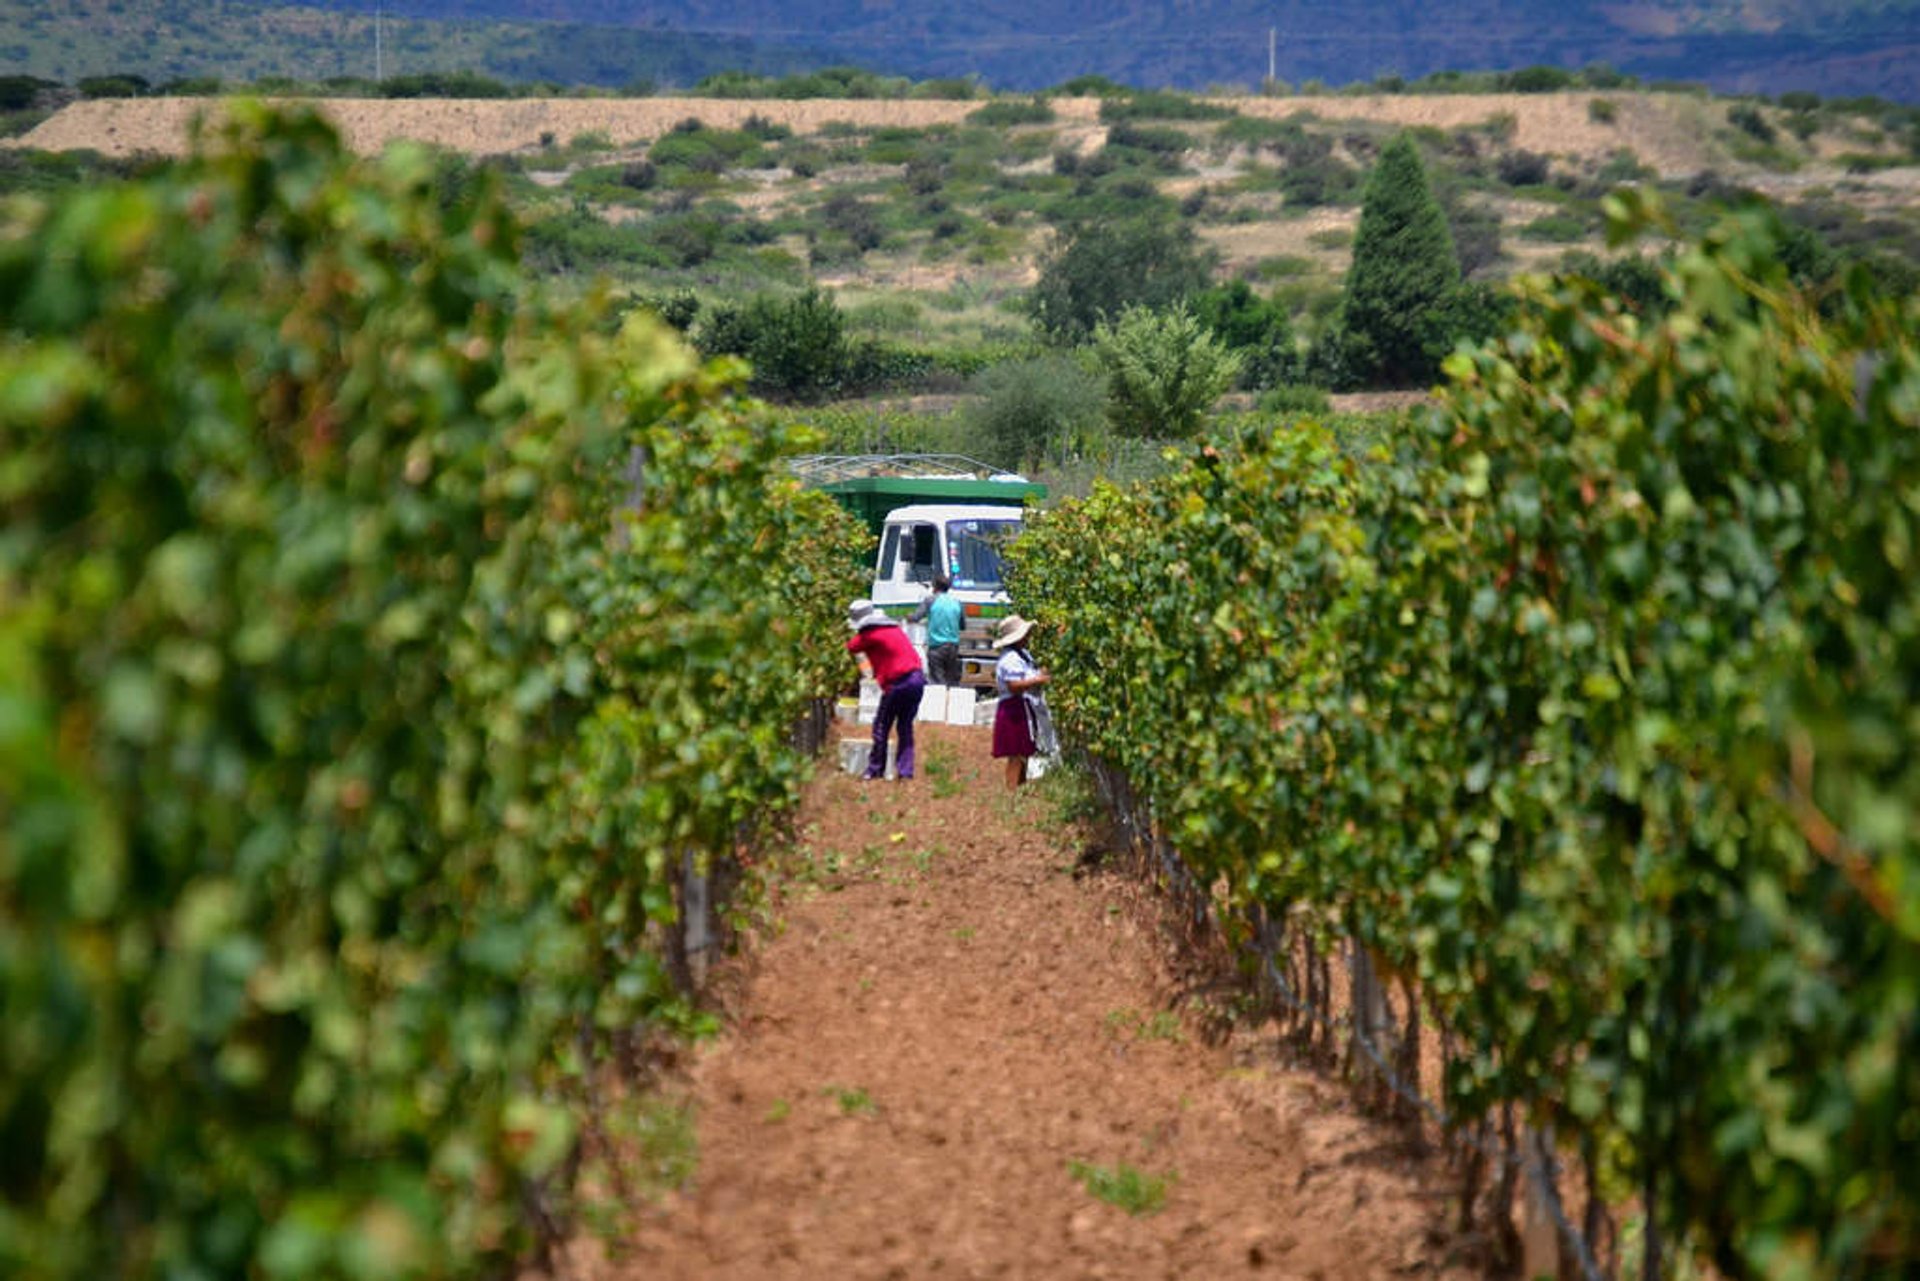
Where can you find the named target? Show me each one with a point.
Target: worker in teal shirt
(944, 618)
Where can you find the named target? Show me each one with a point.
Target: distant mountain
(1833, 47)
(246, 41)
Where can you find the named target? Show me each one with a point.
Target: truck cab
(920, 542)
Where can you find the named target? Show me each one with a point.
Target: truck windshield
(973, 551)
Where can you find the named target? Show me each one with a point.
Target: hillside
(1827, 46)
(239, 42)
(931, 217)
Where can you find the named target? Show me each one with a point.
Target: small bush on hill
(123, 85)
(1090, 87)
(1160, 104)
(1160, 142)
(1523, 168)
(1537, 80)
(1748, 119)
(17, 93)
(1006, 112)
(703, 150)
(1556, 226)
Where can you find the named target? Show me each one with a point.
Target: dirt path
(948, 1013)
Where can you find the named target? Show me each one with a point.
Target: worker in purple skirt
(896, 666)
(1022, 727)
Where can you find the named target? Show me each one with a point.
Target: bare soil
(951, 1007)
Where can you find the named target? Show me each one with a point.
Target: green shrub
(1312, 180)
(858, 220)
(1560, 227)
(1524, 168)
(1158, 143)
(678, 309)
(1294, 399)
(1091, 86)
(1748, 118)
(123, 85)
(1164, 372)
(1537, 80)
(1253, 328)
(1003, 113)
(797, 345)
(1623, 166)
(1160, 104)
(1029, 411)
(758, 127)
(49, 171)
(580, 241)
(703, 149)
(17, 93)
(894, 145)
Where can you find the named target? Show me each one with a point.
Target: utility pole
(379, 70)
(1273, 68)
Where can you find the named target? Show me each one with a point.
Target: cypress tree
(1403, 269)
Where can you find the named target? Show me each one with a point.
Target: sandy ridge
(1665, 130)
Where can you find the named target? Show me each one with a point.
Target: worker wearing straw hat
(896, 666)
(1022, 726)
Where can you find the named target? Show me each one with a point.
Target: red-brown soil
(947, 1009)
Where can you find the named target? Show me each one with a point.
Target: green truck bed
(872, 485)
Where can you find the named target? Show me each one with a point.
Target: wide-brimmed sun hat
(862, 615)
(1012, 630)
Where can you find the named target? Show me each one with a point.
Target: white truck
(934, 515)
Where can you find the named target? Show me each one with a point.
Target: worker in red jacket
(896, 666)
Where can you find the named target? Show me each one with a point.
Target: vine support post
(696, 916)
(1366, 1010)
(1408, 1063)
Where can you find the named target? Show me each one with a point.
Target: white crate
(856, 752)
(934, 703)
(960, 705)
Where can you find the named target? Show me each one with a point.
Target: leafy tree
(1030, 409)
(119, 85)
(797, 345)
(17, 93)
(1254, 328)
(1164, 371)
(1091, 86)
(1100, 270)
(1538, 80)
(1403, 267)
(1635, 279)
(858, 220)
